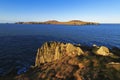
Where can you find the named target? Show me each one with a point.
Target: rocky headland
(72, 22)
(66, 61)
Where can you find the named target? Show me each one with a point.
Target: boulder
(104, 51)
(51, 51)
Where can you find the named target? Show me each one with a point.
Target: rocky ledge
(72, 22)
(65, 61)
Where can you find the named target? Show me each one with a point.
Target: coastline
(109, 59)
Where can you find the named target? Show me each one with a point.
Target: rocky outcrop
(72, 22)
(65, 61)
(102, 50)
(52, 51)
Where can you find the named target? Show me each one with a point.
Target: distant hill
(72, 22)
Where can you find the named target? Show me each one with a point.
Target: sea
(19, 42)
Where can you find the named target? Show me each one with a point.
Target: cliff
(72, 22)
(65, 61)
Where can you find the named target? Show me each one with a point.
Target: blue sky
(104, 11)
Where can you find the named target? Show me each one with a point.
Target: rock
(77, 75)
(51, 51)
(81, 66)
(73, 61)
(58, 75)
(104, 51)
(61, 61)
(94, 45)
(115, 65)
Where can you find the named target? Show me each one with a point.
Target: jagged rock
(104, 51)
(52, 51)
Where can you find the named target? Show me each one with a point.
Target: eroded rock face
(51, 51)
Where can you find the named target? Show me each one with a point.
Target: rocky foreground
(65, 61)
(72, 22)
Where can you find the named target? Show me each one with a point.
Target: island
(72, 22)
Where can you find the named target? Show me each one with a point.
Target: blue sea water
(19, 42)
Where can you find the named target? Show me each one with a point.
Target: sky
(102, 11)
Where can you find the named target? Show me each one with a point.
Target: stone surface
(102, 50)
(51, 51)
(65, 61)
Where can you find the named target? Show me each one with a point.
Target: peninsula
(72, 22)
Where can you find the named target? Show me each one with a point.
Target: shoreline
(86, 52)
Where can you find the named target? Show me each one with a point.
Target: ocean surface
(19, 42)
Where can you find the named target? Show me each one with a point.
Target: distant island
(72, 22)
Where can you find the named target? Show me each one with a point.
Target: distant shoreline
(72, 22)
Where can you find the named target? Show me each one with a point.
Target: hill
(72, 22)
